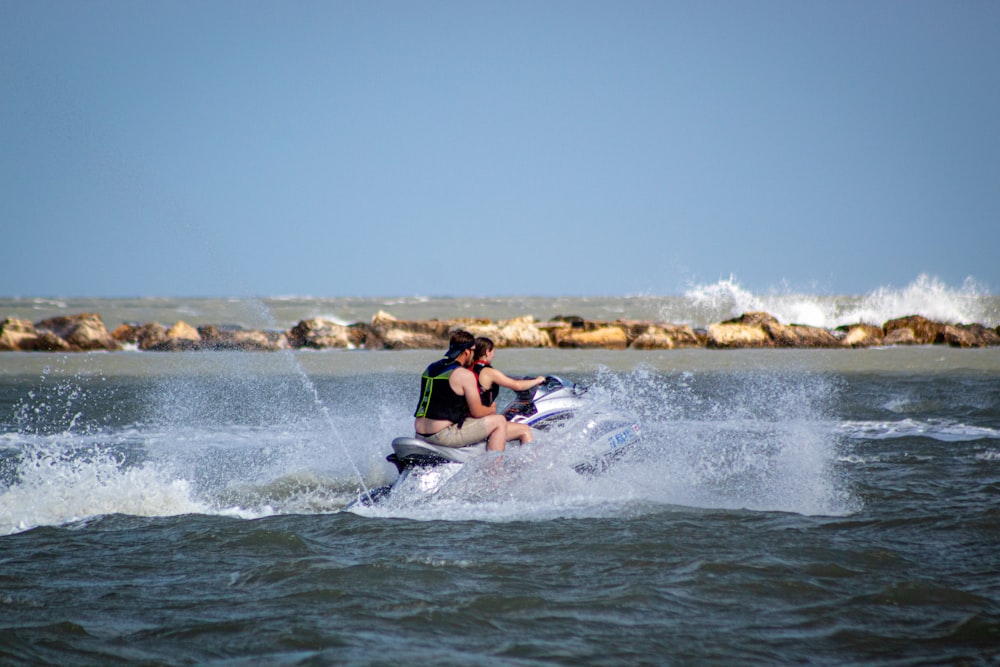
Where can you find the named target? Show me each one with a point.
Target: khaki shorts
(471, 432)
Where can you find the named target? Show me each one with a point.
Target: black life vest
(487, 396)
(437, 399)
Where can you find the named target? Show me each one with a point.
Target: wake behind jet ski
(556, 406)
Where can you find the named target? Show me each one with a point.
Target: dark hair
(483, 345)
(459, 343)
(463, 338)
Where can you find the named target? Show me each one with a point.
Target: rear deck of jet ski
(414, 452)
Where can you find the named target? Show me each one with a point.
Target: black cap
(458, 348)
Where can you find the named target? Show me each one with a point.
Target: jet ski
(556, 405)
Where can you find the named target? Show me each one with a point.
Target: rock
(17, 336)
(968, 335)
(574, 331)
(320, 334)
(479, 328)
(902, 336)
(957, 337)
(726, 335)
(990, 337)
(663, 336)
(652, 340)
(184, 331)
(175, 344)
(755, 318)
(21, 336)
(758, 329)
(403, 339)
(572, 320)
(49, 342)
(81, 332)
(609, 337)
(523, 332)
(150, 335)
(14, 325)
(126, 334)
(410, 335)
(633, 328)
(238, 339)
(925, 331)
(747, 330)
(363, 335)
(861, 335)
(516, 332)
(550, 329)
(217, 338)
(382, 318)
(799, 335)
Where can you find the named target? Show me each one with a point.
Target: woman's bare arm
(490, 376)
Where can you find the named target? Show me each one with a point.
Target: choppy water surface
(825, 506)
(820, 506)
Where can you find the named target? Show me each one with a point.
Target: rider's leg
(497, 440)
(518, 431)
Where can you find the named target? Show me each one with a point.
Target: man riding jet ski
(450, 412)
(447, 436)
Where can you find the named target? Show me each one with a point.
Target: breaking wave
(926, 295)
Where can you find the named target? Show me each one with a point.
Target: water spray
(310, 386)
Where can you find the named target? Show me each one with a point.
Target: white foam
(942, 430)
(340, 321)
(56, 489)
(757, 442)
(926, 295)
(748, 450)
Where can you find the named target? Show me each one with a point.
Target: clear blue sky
(508, 148)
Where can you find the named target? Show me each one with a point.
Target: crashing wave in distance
(926, 295)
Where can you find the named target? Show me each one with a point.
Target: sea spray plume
(740, 440)
(52, 406)
(734, 440)
(721, 300)
(927, 296)
(241, 426)
(727, 299)
(756, 440)
(632, 393)
(381, 412)
(58, 484)
(61, 463)
(311, 391)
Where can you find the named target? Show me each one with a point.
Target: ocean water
(699, 306)
(784, 506)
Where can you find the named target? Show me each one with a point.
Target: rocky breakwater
(155, 337)
(69, 333)
(86, 332)
(762, 330)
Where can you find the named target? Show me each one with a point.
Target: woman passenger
(491, 379)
